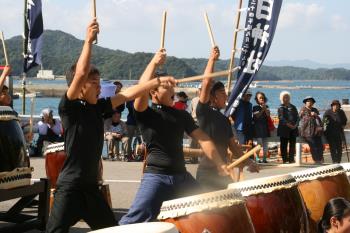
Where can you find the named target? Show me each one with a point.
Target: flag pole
(234, 47)
(32, 107)
(25, 58)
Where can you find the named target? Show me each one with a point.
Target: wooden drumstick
(162, 36)
(244, 157)
(209, 29)
(202, 76)
(94, 14)
(4, 47)
(193, 152)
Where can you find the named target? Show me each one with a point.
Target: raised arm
(139, 90)
(6, 72)
(141, 103)
(83, 65)
(206, 83)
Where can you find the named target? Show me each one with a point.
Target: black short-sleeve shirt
(83, 139)
(218, 128)
(163, 129)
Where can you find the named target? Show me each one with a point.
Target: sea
(298, 89)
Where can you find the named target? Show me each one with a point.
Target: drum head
(264, 185)
(148, 227)
(319, 172)
(197, 203)
(54, 147)
(346, 167)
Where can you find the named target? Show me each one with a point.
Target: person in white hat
(49, 129)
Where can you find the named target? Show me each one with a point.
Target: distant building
(45, 74)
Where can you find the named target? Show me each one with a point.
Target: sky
(316, 30)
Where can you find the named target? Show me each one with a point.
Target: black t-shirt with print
(83, 140)
(163, 129)
(218, 128)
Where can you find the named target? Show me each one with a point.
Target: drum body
(54, 160)
(318, 185)
(274, 204)
(13, 152)
(216, 212)
(148, 227)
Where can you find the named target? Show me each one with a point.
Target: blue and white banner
(261, 22)
(33, 30)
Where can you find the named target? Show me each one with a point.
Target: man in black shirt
(211, 100)
(77, 195)
(163, 127)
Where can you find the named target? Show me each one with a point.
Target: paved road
(123, 179)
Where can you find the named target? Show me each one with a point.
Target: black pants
(316, 147)
(71, 205)
(335, 145)
(288, 157)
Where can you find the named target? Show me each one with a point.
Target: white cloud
(339, 23)
(301, 16)
(134, 25)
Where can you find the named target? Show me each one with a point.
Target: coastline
(57, 90)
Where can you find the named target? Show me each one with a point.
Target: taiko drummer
(163, 127)
(213, 99)
(77, 195)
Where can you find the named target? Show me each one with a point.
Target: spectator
(243, 118)
(120, 108)
(28, 136)
(118, 88)
(336, 217)
(115, 131)
(131, 128)
(50, 130)
(5, 98)
(334, 121)
(311, 129)
(287, 127)
(261, 116)
(181, 104)
(194, 103)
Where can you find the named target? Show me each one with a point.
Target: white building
(45, 74)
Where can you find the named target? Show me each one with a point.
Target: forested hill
(61, 50)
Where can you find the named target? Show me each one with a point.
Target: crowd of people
(89, 120)
(254, 124)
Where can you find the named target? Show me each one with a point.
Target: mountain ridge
(60, 50)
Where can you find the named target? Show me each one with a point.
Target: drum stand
(24, 222)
